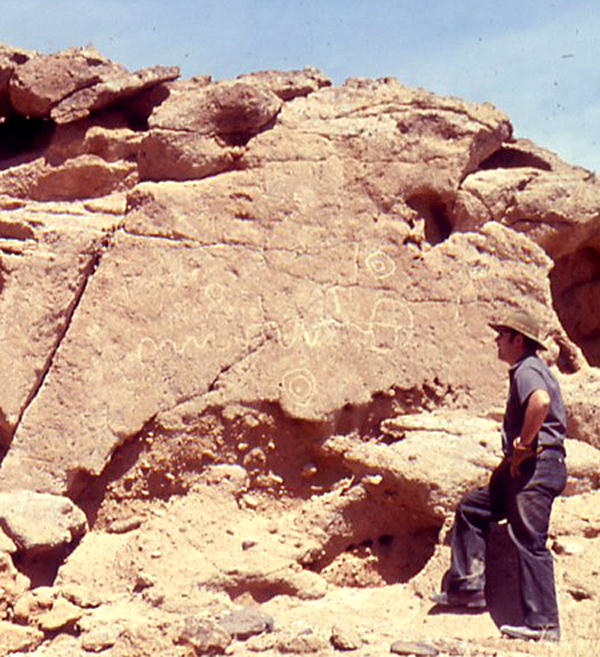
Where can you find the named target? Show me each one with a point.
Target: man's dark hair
(531, 346)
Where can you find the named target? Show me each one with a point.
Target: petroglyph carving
(391, 323)
(380, 264)
(388, 327)
(300, 384)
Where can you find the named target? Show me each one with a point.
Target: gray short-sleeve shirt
(526, 376)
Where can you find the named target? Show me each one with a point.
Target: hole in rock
(385, 538)
(20, 136)
(434, 212)
(514, 158)
(575, 286)
(42, 568)
(138, 108)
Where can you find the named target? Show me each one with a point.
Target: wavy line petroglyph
(335, 311)
(389, 327)
(148, 348)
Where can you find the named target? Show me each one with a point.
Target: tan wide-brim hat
(523, 322)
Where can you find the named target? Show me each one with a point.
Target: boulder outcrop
(69, 85)
(246, 329)
(38, 523)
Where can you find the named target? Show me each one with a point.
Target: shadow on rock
(502, 582)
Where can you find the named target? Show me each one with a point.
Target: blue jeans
(526, 502)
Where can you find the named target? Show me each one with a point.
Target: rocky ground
(248, 365)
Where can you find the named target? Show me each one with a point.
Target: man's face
(509, 344)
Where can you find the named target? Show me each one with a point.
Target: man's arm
(535, 414)
(536, 410)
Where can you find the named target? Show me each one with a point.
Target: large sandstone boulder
(265, 328)
(67, 86)
(289, 84)
(10, 60)
(245, 326)
(532, 191)
(84, 176)
(39, 523)
(197, 131)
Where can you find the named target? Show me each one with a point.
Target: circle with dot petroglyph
(215, 292)
(300, 384)
(380, 264)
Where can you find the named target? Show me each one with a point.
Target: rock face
(246, 326)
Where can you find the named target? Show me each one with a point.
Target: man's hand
(520, 453)
(535, 414)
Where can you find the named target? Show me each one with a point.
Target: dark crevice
(243, 138)
(366, 418)
(575, 287)
(138, 108)
(87, 272)
(513, 158)
(22, 139)
(434, 212)
(6, 434)
(42, 568)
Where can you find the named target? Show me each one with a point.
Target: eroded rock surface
(246, 327)
(532, 191)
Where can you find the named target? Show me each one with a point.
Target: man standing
(521, 489)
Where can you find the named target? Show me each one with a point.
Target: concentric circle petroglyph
(300, 384)
(380, 264)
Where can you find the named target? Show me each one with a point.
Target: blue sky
(536, 60)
